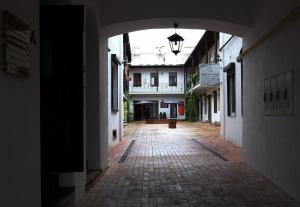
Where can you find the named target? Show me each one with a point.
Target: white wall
(92, 91)
(163, 74)
(159, 98)
(231, 126)
(115, 44)
(271, 143)
(105, 108)
(20, 120)
(215, 117)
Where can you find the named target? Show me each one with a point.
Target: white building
(231, 89)
(157, 92)
(203, 78)
(115, 68)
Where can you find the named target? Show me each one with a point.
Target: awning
(172, 102)
(146, 102)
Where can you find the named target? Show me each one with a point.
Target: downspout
(224, 91)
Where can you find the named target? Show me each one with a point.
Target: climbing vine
(190, 107)
(128, 114)
(191, 81)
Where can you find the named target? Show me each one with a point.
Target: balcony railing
(162, 88)
(208, 75)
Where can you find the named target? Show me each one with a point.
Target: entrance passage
(187, 166)
(145, 110)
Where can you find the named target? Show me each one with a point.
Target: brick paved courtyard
(187, 166)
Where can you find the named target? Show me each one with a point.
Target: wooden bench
(171, 122)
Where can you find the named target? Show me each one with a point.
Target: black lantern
(176, 41)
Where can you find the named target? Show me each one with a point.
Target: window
(154, 79)
(137, 80)
(172, 79)
(215, 102)
(231, 92)
(114, 86)
(173, 110)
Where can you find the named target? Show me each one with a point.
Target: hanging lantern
(176, 41)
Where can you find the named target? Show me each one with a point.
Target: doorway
(61, 98)
(173, 111)
(145, 110)
(209, 107)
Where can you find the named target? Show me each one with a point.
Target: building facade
(202, 71)
(157, 92)
(231, 89)
(118, 54)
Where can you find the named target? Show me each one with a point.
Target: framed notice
(16, 51)
(163, 105)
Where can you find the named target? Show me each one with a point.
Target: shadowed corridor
(187, 166)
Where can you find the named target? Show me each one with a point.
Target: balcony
(208, 78)
(162, 88)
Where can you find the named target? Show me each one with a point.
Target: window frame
(114, 85)
(172, 109)
(135, 84)
(231, 93)
(173, 74)
(155, 75)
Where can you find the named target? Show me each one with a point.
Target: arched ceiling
(231, 16)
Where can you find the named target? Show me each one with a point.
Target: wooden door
(62, 88)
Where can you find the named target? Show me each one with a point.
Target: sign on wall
(278, 94)
(16, 53)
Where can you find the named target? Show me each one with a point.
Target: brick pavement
(166, 167)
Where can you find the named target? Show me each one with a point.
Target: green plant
(191, 114)
(191, 80)
(127, 109)
(128, 96)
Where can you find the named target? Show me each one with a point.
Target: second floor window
(231, 92)
(114, 86)
(154, 79)
(137, 80)
(172, 79)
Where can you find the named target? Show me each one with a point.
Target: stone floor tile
(167, 167)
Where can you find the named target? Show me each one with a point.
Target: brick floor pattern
(165, 167)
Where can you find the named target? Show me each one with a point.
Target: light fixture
(176, 41)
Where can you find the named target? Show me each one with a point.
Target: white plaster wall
(92, 91)
(271, 143)
(115, 44)
(164, 87)
(215, 117)
(20, 120)
(231, 126)
(105, 108)
(159, 98)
